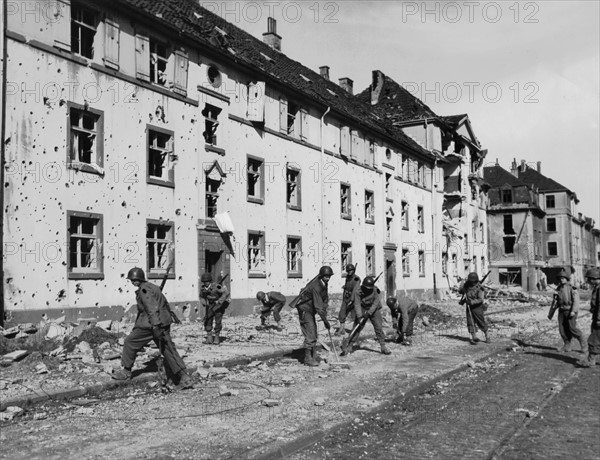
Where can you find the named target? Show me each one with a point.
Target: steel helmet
(473, 277)
(593, 273)
(368, 282)
(350, 268)
(136, 274)
(563, 274)
(206, 278)
(260, 295)
(325, 270)
(391, 302)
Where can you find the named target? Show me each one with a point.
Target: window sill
(405, 228)
(160, 182)
(369, 221)
(251, 199)
(86, 276)
(257, 275)
(212, 148)
(406, 275)
(346, 217)
(91, 168)
(421, 275)
(294, 275)
(294, 208)
(158, 275)
(391, 200)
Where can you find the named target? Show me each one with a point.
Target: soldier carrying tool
(474, 297)
(404, 310)
(351, 287)
(153, 322)
(370, 303)
(272, 301)
(216, 300)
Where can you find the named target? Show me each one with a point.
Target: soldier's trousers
(476, 317)
(412, 313)
(308, 326)
(377, 322)
(594, 341)
(276, 309)
(140, 337)
(345, 311)
(567, 327)
(213, 314)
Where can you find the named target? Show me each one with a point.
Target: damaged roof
(497, 176)
(189, 19)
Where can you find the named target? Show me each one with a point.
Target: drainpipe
(2, 154)
(321, 179)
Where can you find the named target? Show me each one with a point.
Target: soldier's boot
(474, 339)
(566, 347)
(488, 339)
(217, 339)
(308, 359)
(315, 355)
(209, 338)
(122, 374)
(263, 325)
(385, 350)
(185, 381)
(582, 344)
(589, 360)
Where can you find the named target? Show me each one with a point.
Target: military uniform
(216, 300)
(593, 276)
(314, 300)
(273, 301)
(153, 322)
(567, 302)
(370, 305)
(351, 287)
(474, 299)
(404, 312)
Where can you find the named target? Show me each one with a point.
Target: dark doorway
(390, 275)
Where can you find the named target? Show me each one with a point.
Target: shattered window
(256, 253)
(212, 197)
(369, 206)
(370, 260)
(85, 244)
(159, 246)
(83, 30)
(293, 188)
(211, 123)
(346, 255)
(255, 179)
(85, 126)
(345, 209)
(159, 58)
(405, 263)
(160, 149)
(293, 256)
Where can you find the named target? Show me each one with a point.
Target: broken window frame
(255, 179)
(405, 262)
(293, 188)
(75, 132)
(159, 62)
(160, 249)
(421, 263)
(346, 200)
(76, 234)
(345, 254)
(420, 219)
(370, 260)
(211, 123)
(294, 256)
(369, 207)
(80, 28)
(256, 254)
(404, 215)
(212, 196)
(166, 152)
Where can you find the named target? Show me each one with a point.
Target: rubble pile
(435, 317)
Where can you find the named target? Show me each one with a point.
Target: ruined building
(154, 133)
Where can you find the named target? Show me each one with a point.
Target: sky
(526, 73)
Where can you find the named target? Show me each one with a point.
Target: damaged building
(157, 134)
(461, 239)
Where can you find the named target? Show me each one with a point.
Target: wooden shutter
(283, 115)
(59, 18)
(345, 141)
(111, 44)
(303, 124)
(180, 77)
(142, 57)
(256, 101)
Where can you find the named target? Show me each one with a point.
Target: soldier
(153, 322)
(272, 301)
(348, 295)
(567, 303)
(368, 299)
(593, 277)
(474, 297)
(216, 300)
(404, 310)
(313, 300)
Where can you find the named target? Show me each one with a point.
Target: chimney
(270, 37)
(324, 71)
(497, 164)
(523, 166)
(539, 167)
(347, 84)
(376, 86)
(514, 169)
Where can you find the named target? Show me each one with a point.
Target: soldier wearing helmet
(370, 303)
(313, 300)
(215, 298)
(404, 310)
(153, 322)
(348, 306)
(593, 357)
(473, 297)
(272, 301)
(567, 303)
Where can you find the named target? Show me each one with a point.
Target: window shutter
(355, 145)
(142, 57)
(111, 44)
(60, 23)
(256, 101)
(283, 113)
(345, 141)
(181, 73)
(303, 124)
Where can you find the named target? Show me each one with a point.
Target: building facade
(156, 134)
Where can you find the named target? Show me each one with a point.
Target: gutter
(2, 153)
(322, 121)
